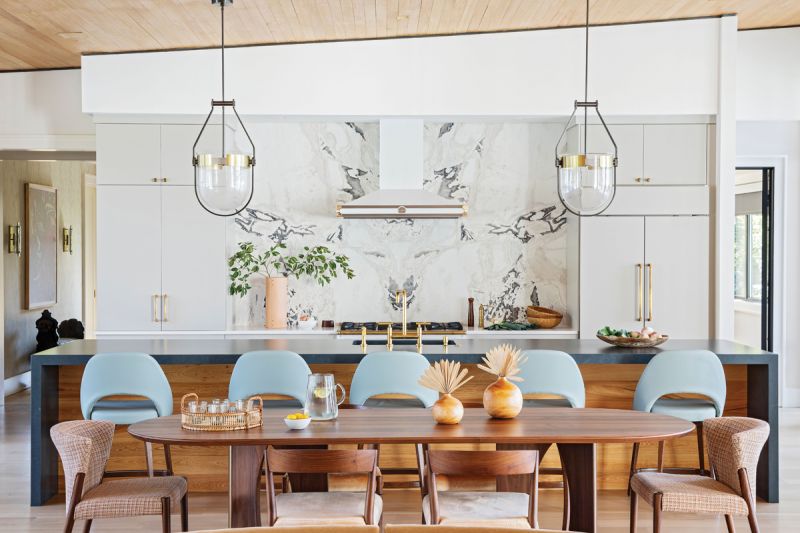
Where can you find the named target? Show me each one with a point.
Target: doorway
(754, 242)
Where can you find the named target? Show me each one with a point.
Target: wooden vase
(448, 410)
(277, 302)
(502, 399)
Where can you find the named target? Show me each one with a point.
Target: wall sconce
(67, 239)
(15, 239)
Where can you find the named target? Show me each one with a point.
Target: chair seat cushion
(691, 409)
(124, 412)
(495, 509)
(130, 497)
(330, 508)
(689, 493)
(546, 402)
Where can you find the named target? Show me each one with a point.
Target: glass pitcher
(321, 397)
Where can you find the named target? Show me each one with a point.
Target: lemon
(291, 417)
(321, 392)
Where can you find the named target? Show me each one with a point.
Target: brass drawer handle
(154, 304)
(649, 292)
(164, 308)
(639, 292)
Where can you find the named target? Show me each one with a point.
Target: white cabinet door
(177, 141)
(128, 154)
(675, 154)
(629, 139)
(612, 261)
(128, 257)
(193, 267)
(677, 260)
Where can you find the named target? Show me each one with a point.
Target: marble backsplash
(508, 253)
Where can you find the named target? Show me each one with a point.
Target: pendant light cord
(222, 48)
(586, 84)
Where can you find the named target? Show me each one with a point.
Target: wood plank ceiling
(38, 34)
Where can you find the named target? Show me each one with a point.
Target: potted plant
(319, 263)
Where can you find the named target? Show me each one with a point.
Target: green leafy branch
(319, 263)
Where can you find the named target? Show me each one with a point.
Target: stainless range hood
(401, 194)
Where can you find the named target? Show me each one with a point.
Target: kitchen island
(204, 366)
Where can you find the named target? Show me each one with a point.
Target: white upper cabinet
(128, 154)
(193, 267)
(629, 139)
(128, 258)
(177, 141)
(675, 154)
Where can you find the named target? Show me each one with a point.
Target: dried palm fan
(446, 377)
(503, 361)
(503, 399)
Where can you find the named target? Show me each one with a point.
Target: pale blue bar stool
(276, 372)
(554, 373)
(675, 372)
(128, 374)
(395, 372)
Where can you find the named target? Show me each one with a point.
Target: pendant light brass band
(572, 160)
(579, 160)
(230, 160)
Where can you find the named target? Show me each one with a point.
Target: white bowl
(300, 423)
(306, 324)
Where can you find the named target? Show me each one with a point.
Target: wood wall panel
(52, 33)
(609, 386)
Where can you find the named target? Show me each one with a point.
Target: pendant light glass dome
(587, 182)
(224, 180)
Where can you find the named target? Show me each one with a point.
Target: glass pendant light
(223, 181)
(587, 182)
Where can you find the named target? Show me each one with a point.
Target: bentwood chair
(279, 373)
(395, 373)
(496, 509)
(734, 446)
(407, 528)
(127, 374)
(697, 372)
(333, 508)
(84, 447)
(298, 529)
(553, 373)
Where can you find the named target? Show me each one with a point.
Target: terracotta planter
(448, 410)
(502, 399)
(277, 296)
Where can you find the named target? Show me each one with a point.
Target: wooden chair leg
(634, 510)
(87, 526)
(751, 518)
(148, 457)
(185, 512)
(729, 523)
(661, 456)
(634, 458)
(700, 449)
(69, 525)
(657, 513)
(168, 459)
(166, 526)
(566, 510)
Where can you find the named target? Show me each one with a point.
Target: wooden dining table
(576, 432)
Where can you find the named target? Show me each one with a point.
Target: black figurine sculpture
(71, 329)
(48, 336)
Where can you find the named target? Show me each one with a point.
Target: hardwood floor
(401, 506)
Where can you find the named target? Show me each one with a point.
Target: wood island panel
(607, 385)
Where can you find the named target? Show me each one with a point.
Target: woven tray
(629, 342)
(222, 421)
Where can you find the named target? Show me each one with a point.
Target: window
(747, 257)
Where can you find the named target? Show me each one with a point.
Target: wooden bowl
(628, 342)
(543, 317)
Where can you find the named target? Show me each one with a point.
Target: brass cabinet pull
(646, 180)
(155, 180)
(154, 304)
(637, 179)
(649, 292)
(164, 308)
(639, 292)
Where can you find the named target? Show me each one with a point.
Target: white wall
(768, 75)
(42, 111)
(665, 68)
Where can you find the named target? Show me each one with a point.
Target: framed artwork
(41, 246)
